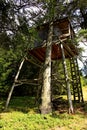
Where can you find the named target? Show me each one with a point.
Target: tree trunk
(67, 81)
(12, 88)
(46, 106)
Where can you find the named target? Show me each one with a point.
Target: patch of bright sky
(84, 54)
(27, 11)
(81, 44)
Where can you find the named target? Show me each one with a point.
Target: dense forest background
(18, 19)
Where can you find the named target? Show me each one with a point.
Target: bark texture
(46, 106)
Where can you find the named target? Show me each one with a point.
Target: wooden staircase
(76, 83)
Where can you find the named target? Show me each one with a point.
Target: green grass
(15, 120)
(23, 114)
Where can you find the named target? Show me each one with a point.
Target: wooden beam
(68, 49)
(35, 84)
(33, 62)
(69, 30)
(67, 53)
(64, 35)
(34, 57)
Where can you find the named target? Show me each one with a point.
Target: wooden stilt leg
(67, 81)
(12, 88)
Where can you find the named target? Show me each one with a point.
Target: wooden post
(12, 88)
(67, 81)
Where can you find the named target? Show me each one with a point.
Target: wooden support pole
(12, 88)
(67, 81)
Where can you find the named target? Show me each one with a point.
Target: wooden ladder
(76, 82)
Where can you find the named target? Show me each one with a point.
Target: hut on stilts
(61, 49)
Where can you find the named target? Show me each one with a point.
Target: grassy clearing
(22, 114)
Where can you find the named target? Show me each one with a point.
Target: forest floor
(23, 114)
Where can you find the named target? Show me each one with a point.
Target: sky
(84, 54)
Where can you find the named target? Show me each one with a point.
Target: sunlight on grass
(23, 114)
(19, 121)
(85, 93)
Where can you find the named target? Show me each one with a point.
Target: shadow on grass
(60, 107)
(24, 104)
(27, 104)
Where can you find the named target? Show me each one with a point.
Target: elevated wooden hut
(61, 32)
